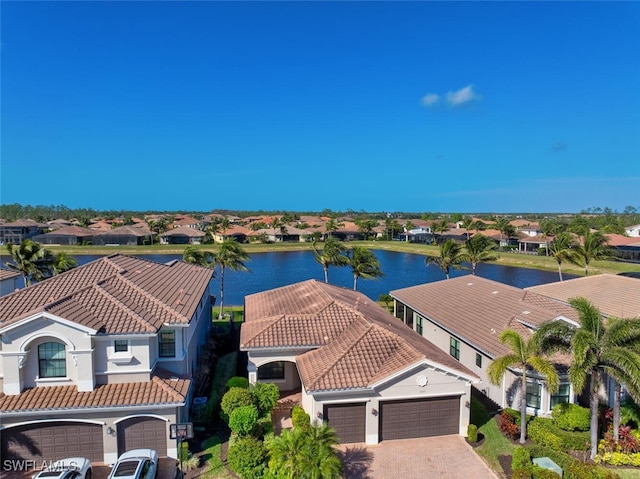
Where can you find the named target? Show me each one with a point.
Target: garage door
(143, 433)
(51, 441)
(419, 418)
(348, 420)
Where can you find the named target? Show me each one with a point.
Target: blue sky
(302, 106)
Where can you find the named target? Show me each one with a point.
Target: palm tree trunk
(355, 282)
(593, 403)
(560, 270)
(616, 412)
(221, 291)
(326, 274)
(523, 409)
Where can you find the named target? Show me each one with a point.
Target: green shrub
(300, 418)
(544, 431)
(183, 452)
(573, 469)
(247, 457)
(472, 433)
(619, 458)
(513, 414)
(538, 472)
(521, 457)
(571, 417)
(265, 426)
(265, 396)
(521, 473)
(243, 420)
(238, 382)
(234, 398)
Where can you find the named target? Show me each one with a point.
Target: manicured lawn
(628, 473)
(494, 446)
(214, 468)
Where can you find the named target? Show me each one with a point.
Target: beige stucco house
(99, 360)
(356, 366)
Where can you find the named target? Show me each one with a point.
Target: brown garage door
(419, 418)
(348, 420)
(51, 441)
(143, 433)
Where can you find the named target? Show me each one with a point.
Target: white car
(70, 468)
(136, 464)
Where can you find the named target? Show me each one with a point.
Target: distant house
(187, 221)
(16, 232)
(182, 235)
(237, 232)
(633, 231)
(531, 244)
(124, 235)
(67, 235)
(626, 248)
(8, 281)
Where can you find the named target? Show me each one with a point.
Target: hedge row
(543, 431)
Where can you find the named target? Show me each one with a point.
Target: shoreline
(519, 260)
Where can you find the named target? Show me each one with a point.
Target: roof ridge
(139, 319)
(171, 391)
(153, 299)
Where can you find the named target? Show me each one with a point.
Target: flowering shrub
(508, 425)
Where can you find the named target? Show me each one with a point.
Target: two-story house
(99, 360)
(17, 231)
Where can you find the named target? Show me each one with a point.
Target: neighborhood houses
(115, 355)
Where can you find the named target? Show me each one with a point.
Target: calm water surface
(275, 269)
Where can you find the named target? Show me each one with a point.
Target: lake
(275, 269)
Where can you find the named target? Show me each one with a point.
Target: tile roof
(72, 230)
(6, 274)
(184, 231)
(132, 230)
(477, 309)
(163, 388)
(354, 342)
(613, 295)
(114, 294)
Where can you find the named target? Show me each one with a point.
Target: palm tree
(332, 254)
(30, 260)
(193, 255)
(594, 246)
(232, 256)
(364, 264)
(305, 453)
(596, 347)
(438, 228)
(332, 226)
(563, 249)
(479, 249)
(451, 256)
(63, 262)
(524, 355)
(275, 224)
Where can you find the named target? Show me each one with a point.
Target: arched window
(52, 360)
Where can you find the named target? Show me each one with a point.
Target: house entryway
(281, 416)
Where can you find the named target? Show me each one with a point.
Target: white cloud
(462, 96)
(430, 99)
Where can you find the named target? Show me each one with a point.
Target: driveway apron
(447, 457)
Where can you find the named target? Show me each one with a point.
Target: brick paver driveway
(446, 457)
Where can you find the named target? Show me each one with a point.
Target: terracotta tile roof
(620, 240)
(114, 294)
(354, 341)
(184, 231)
(133, 230)
(613, 295)
(477, 309)
(72, 230)
(6, 274)
(162, 389)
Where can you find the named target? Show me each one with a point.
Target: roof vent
(493, 331)
(469, 284)
(494, 292)
(526, 312)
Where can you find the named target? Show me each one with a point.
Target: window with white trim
(167, 343)
(52, 360)
(273, 370)
(120, 346)
(533, 394)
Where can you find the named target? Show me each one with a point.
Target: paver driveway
(447, 457)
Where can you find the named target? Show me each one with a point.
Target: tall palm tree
(364, 264)
(63, 262)
(524, 355)
(232, 256)
(479, 249)
(193, 255)
(594, 246)
(333, 225)
(563, 249)
(595, 347)
(438, 228)
(31, 260)
(332, 254)
(451, 255)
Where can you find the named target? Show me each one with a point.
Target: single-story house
(66, 235)
(356, 366)
(100, 359)
(465, 316)
(182, 235)
(124, 235)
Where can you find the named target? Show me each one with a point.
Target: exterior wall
(8, 285)
(291, 379)
(405, 386)
(106, 419)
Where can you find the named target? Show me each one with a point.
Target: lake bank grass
(506, 259)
